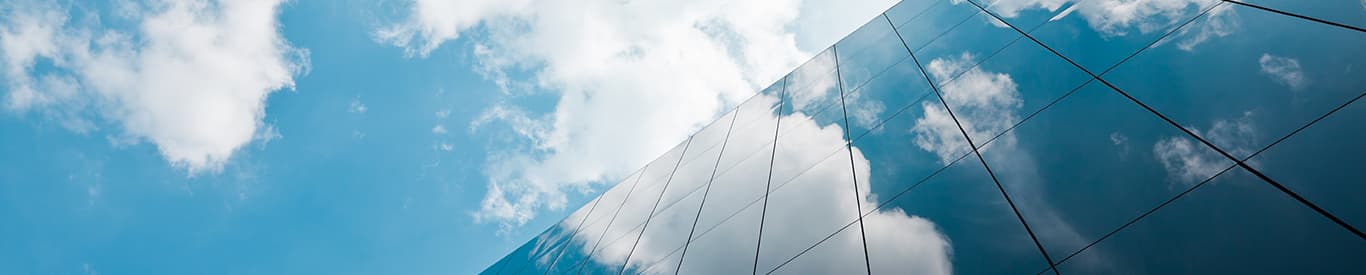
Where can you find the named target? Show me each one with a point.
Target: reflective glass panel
(620, 237)
(1092, 162)
(1263, 76)
(816, 203)
(956, 222)
(1099, 34)
(586, 239)
(1323, 163)
(1236, 224)
(1346, 12)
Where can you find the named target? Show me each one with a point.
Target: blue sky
(353, 137)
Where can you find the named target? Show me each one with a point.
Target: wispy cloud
(1283, 70)
(356, 106)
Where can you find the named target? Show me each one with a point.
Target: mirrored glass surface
(1323, 163)
(543, 249)
(813, 92)
(699, 163)
(1264, 76)
(588, 237)
(1236, 224)
(726, 248)
(841, 253)
(955, 222)
(867, 52)
(988, 96)
(816, 203)
(1346, 12)
(1093, 161)
(667, 231)
(888, 94)
(980, 37)
(934, 21)
(1099, 34)
(742, 177)
(619, 238)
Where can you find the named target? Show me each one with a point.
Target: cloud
(984, 103)
(439, 129)
(1283, 70)
(631, 79)
(1188, 162)
(192, 77)
(356, 106)
(1113, 18)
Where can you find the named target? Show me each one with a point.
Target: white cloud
(439, 129)
(1283, 70)
(632, 78)
(1113, 18)
(984, 102)
(1219, 22)
(1188, 162)
(191, 78)
(356, 106)
(1121, 17)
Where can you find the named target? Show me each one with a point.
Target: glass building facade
(1016, 137)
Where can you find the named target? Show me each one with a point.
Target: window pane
(1260, 78)
(816, 203)
(1236, 224)
(1092, 162)
(587, 238)
(1346, 12)
(618, 238)
(955, 222)
(841, 254)
(1098, 34)
(1323, 163)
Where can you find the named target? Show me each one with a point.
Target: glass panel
(955, 222)
(640, 203)
(1098, 34)
(727, 248)
(1029, 14)
(917, 142)
(700, 162)
(907, 10)
(742, 177)
(667, 231)
(841, 254)
(991, 96)
(1236, 224)
(756, 122)
(1261, 77)
(1346, 12)
(817, 203)
(813, 92)
(980, 36)
(867, 52)
(939, 19)
(888, 93)
(1092, 162)
(1323, 163)
(587, 239)
(543, 249)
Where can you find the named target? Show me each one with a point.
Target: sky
(355, 137)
